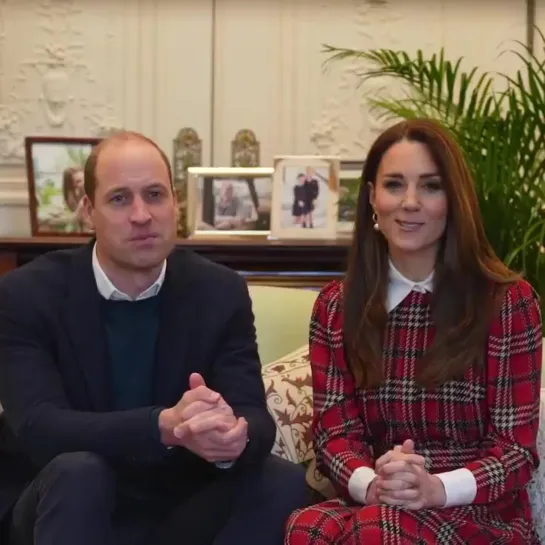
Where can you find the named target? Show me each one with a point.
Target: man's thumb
(196, 380)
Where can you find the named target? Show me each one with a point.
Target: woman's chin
(412, 247)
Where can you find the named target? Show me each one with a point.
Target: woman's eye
(434, 186)
(392, 184)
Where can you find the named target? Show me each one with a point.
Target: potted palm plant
(502, 133)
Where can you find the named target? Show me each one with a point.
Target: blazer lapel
(82, 319)
(175, 332)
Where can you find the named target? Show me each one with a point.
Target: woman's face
(409, 201)
(77, 178)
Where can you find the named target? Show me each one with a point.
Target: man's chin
(145, 258)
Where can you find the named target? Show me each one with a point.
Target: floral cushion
(288, 386)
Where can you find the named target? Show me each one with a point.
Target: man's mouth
(140, 238)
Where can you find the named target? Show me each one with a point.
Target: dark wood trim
(293, 258)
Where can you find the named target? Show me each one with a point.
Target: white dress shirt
(460, 484)
(109, 291)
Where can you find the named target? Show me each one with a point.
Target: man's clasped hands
(204, 423)
(402, 480)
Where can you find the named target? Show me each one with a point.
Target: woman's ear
(371, 194)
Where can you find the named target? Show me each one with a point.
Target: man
(134, 409)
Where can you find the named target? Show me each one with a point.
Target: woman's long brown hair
(469, 279)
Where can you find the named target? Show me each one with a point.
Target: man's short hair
(90, 179)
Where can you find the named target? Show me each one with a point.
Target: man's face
(134, 214)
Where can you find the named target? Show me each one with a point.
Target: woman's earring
(375, 222)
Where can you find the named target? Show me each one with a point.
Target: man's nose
(139, 211)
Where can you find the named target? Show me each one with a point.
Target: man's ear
(88, 212)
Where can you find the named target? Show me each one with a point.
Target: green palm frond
(502, 134)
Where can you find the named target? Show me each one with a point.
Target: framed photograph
(349, 186)
(352, 165)
(55, 182)
(305, 197)
(229, 201)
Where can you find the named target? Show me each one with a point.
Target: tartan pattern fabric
(486, 421)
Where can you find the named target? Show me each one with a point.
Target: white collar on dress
(399, 286)
(109, 291)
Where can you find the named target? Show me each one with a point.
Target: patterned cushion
(288, 385)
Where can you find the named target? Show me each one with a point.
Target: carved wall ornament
(52, 88)
(245, 149)
(187, 152)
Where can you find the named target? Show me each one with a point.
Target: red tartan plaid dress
(486, 423)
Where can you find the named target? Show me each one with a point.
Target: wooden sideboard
(293, 262)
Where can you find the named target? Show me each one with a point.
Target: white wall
(159, 65)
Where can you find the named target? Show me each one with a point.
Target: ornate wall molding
(53, 83)
(82, 68)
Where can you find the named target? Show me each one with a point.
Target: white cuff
(225, 465)
(359, 483)
(460, 487)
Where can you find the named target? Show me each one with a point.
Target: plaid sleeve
(337, 426)
(509, 454)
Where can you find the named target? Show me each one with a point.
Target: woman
(426, 364)
(72, 187)
(299, 210)
(73, 192)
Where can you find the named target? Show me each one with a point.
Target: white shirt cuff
(225, 465)
(359, 483)
(460, 487)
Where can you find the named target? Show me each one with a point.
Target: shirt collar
(109, 291)
(399, 286)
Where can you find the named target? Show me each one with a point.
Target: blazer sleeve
(509, 455)
(37, 409)
(339, 434)
(237, 376)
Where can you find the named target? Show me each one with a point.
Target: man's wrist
(165, 426)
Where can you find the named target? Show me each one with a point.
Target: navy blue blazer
(54, 379)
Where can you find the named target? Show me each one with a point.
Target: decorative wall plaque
(187, 153)
(245, 149)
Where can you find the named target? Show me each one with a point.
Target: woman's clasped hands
(403, 481)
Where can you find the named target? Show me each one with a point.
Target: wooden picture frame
(54, 167)
(229, 201)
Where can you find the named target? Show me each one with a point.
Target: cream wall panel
(183, 71)
(81, 67)
(249, 63)
(483, 34)
(270, 75)
(540, 22)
